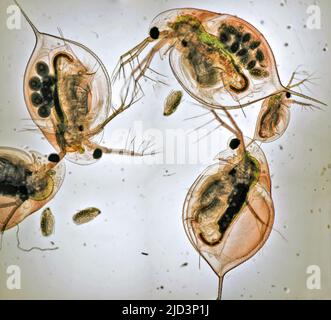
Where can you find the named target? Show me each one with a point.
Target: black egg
(42, 68)
(35, 83)
(36, 99)
(44, 111)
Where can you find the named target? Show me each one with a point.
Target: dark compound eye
(36, 99)
(184, 43)
(288, 95)
(35, 83)
(42, 69)
(234, 143)
(44, 111)
(81, 128)
(154, 33)
(97, 153)
(54, 157)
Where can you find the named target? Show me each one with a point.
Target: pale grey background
(141, 208)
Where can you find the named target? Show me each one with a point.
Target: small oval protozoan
(47, 222)
(86, 215)
(172, 102)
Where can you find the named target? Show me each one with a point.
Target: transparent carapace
(228, 212)
(222, 61)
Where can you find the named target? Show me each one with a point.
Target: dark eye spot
(81, 128)
(36, 99)
(44, 111)
(54, 157)
(97, 153)
(246, 37)
(42, 69)
(35, 83)
(154, 33)
(234, 47)
(288, 95)
(251, 64)
(234, 143)
(184, 43)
